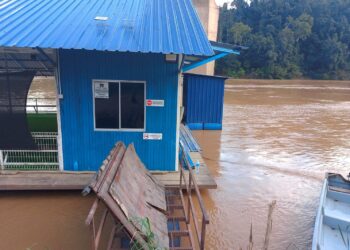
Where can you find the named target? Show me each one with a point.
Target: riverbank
(324, 83)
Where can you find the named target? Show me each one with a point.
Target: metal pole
(36, 105)
(2, 167)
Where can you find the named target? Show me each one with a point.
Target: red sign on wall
(154, 103)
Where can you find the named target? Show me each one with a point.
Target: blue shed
(203, 100)
(117, 66)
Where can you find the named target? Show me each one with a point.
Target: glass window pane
(107, 109)
(132, 105)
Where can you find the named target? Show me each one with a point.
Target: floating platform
(204, 178)
(75, 180)
(64, 180)
(44, 180)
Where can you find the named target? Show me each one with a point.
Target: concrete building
(208, 12)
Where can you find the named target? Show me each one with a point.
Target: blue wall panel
(203, 99)
(88, 148)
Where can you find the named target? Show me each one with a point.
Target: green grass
(42, 122)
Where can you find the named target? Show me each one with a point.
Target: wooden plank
(30, 180)
(204, 178)
(114, 158)
(66, 180)
(101, 187)
(79, 180)
(140, 196)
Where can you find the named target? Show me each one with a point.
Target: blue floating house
(118, 66)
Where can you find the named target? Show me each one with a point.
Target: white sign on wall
(152, 136)
(154, 103)
(101, 89)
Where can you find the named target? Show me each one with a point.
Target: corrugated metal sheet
(30, 59)
(87, 147)
(187, 140)
(158, 26)
(203, 99)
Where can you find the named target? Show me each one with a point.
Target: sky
(221, 2)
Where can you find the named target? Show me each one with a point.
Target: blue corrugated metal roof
(158, 26)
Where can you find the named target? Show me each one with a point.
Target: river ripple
(278, 140)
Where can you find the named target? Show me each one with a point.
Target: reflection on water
(278, 140)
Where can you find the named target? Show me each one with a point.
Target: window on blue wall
(119, 105)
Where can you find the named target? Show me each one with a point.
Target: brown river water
(278, 140)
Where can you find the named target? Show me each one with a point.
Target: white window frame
(120, 121)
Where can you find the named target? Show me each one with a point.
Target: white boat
(332, 226)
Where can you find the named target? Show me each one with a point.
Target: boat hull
(332, 225)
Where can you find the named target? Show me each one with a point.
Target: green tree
(287, 38)
(239, 33)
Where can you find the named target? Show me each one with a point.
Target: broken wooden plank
(140, 196)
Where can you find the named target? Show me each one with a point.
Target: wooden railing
(190, 184)
(41, 105)
(34, 105)
(90, 221)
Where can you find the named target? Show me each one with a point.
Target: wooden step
(179, 233)
(176, 218)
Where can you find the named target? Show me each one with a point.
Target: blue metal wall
(88, 148)
(203, 99)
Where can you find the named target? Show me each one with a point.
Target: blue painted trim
(212, 126)
(231, 51)
(195, 126)
(205, 61)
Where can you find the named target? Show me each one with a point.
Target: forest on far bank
(287, 39)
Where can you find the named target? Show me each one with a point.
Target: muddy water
(42, 87)
(44, 221)
(278, 140)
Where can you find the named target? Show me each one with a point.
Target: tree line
(287, 39)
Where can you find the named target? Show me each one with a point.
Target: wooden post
(272, 206)
(189, 193)
(203, 233)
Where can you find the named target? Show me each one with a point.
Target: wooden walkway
(204, 178)
(52, 180)
(44, 180)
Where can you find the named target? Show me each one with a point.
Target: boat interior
(334, 226)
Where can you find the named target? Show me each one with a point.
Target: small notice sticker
(101, 89)
(152, 136)
(154, 103)
(101, 18)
